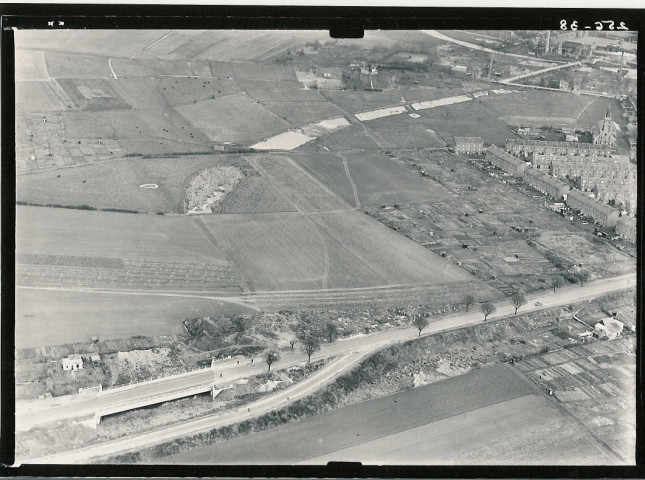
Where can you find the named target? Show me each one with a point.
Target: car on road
(538, 304)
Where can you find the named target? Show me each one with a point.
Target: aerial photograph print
(276, 247)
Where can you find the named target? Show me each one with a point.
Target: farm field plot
(40, 314)
(379, 180)
(345, 249)
(533, 432)
(595, 383)
(234, 118)
(92, 94)
(96, 272)
(71, 65)
(469, 119)
(254, 194)
(30, 65)
(295, 184)
(403, 131)
(278, 91)
(303, 113)
(143, 93)
(182, 91)
(266, 72)
(97, 42)
(424, 425)
(140, 132)
(116, 184)
(353, 137)
(329, 170)
(39, 97)
(54, 231)
(549, 106)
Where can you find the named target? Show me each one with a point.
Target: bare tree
(487, 309)
(469, 300)
(557, 282)
(271, 357)
(330, 330)
(309, 346)
(518, 299)
(419, 321)
(292, 342)
(582, 276)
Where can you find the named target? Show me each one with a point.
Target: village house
(608, 328)
(72, 362)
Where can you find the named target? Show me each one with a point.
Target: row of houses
(591, 207)
(554, 188)
(626, 228)
(469, 145)
(524, 147)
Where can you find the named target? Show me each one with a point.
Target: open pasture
(234, 118)
(403, 131)
(71, 65)
(59, 231)
(255, 194)
(116, 184)
(441, 423)
(143, 93)
(34, 96)
(92, 94)
(304, 191)
(30, 65)
(538, 104)
(379, 180)
(140, 132)
(291, 251)
(353, 137)
(303, 113)
(278, 91)
(265, 72)
(96, 42)
(40, 314)
(181, 91)
(469, 119)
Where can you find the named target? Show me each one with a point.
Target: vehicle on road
(538, 304)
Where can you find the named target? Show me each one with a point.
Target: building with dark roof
(469, 145)
(590, 207)
(545, 183)
(505, 161)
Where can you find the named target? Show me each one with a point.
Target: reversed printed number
(563, 25)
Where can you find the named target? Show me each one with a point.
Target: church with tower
(604, 133)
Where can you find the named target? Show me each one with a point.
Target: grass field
(345, 249)
(235, 118)
(182, 91)
(403, 131)
(506, 422)
(30, 65)
(295, 184)
(39, 97)
(41, 314)
(70, 65)
(278, 91)
(379, 180)
(117, 235)
(116, 184)
(304, 112)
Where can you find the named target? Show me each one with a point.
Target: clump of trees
(556, 282)
(582, 276)
(469, 300)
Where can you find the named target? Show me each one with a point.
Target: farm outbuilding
(72, 362)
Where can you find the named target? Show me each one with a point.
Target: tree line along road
(351, 350)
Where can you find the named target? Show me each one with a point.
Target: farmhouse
(608, 328)
(72, 362)
(545, 183)
(626, 228)
(601, 213)
(506, 161)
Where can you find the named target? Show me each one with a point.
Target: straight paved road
(41, 412)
